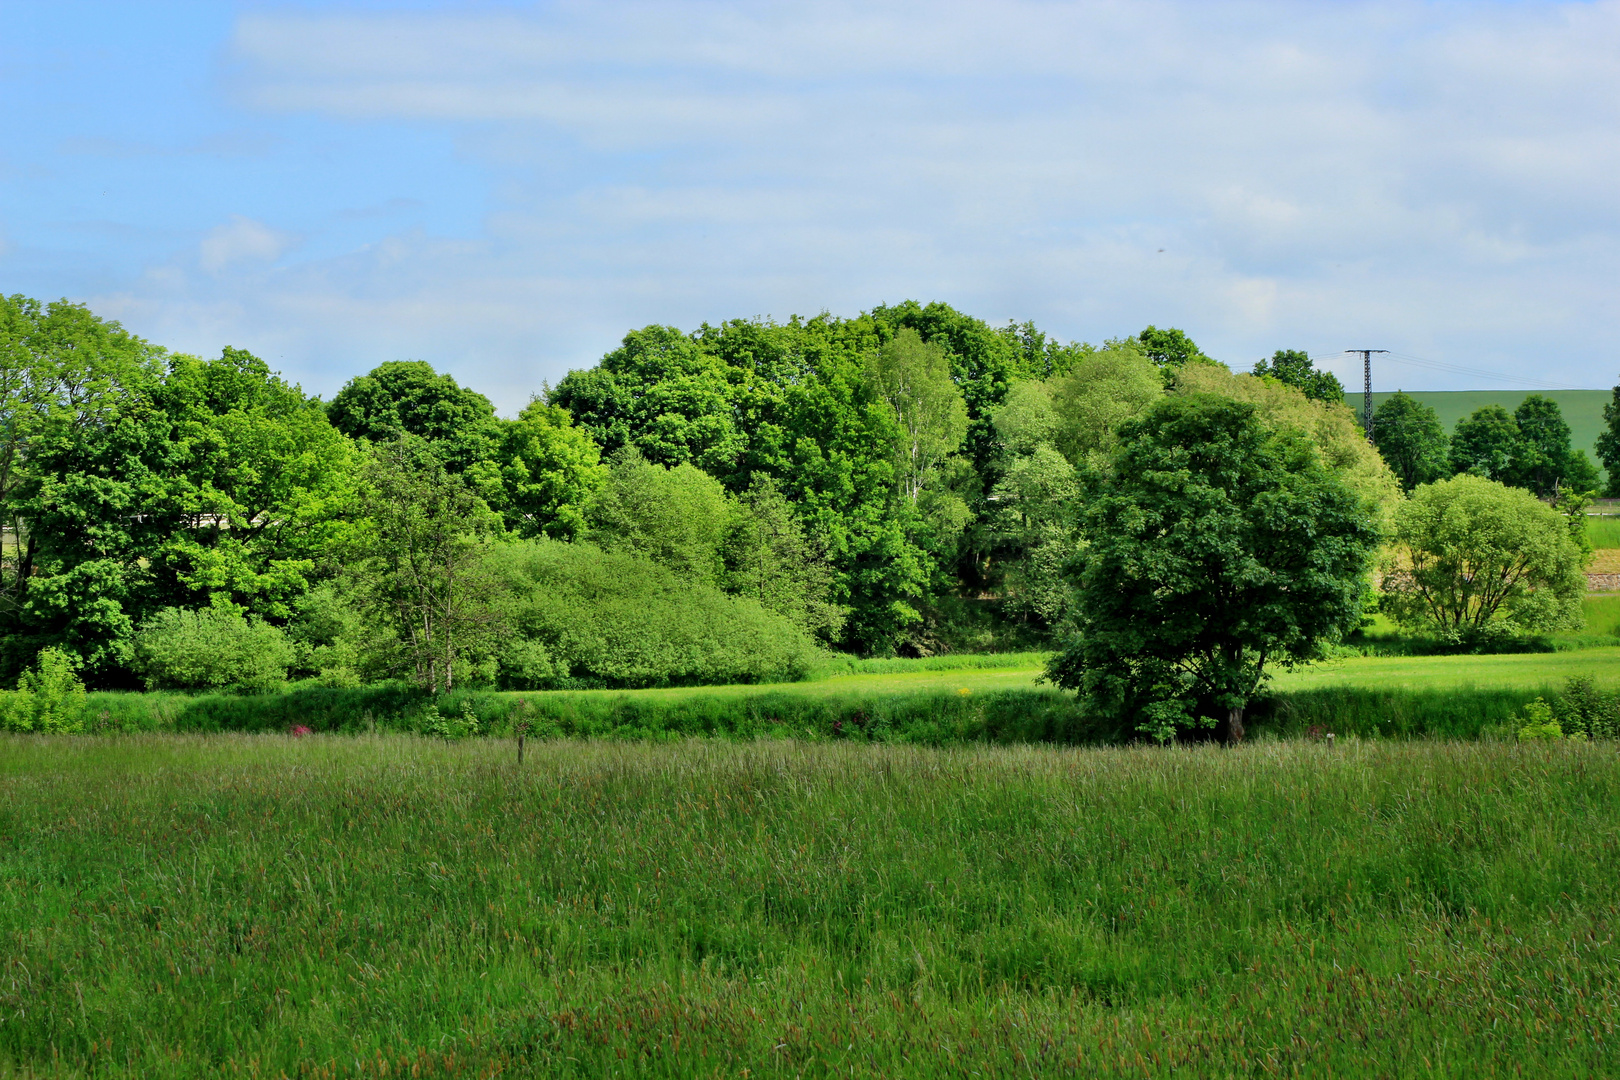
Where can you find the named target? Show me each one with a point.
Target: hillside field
(1583, 409)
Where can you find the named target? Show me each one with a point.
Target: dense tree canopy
(1220, 548)
(1412, 440)
(1293, 367)
(909, 480)
(1477, 554)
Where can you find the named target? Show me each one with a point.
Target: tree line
(717, 505)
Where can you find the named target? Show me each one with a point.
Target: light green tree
(674, 516)
(914, 379)
(421, 565)
(550, 469)
(1475, 556)
(1102, 392)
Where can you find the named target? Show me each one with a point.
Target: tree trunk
(1234, 725)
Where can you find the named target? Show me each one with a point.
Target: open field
(254, 906)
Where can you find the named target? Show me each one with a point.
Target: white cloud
(240, 240)
(1434, 177)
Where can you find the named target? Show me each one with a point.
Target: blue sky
(503, 190)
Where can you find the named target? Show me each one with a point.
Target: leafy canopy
(1474, 554)
(1412, 440)
(1293, 367)
(1219, 549)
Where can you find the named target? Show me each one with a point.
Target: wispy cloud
(1435, 176)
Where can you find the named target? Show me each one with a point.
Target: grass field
(261, 906)
(1582, 409)
(1604, 532)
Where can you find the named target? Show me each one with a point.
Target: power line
(1460, 369)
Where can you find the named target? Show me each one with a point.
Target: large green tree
(1486, 443)
(1546, 463)
(550, 469)
(1475, 554)
(421, 566)
(1220, 549)
(1293, 367)
(1608, 445)
(407, 397)
(1412, 440)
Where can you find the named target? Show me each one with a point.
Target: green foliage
(1584, 710)
(214, 648)
(1100, 393)
(1171, 349)
(1486, 444)
(1608, 445)
(50, 698)
(1529, 449)
(1293, 367)
(675, 517)
(420, 565)
(1545, 463)
(1538, 723)
(1217, 547)
(769, 558)
(452, 727)
(407, 397)
(1411, 439)
(1331, 427)
(1478, 557)
(580, 615)
(550, 470)
(914, 379)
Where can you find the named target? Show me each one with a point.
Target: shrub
(1539, 723)
(49, 696)
(584, 617)
(1583, 709)
(214, 648)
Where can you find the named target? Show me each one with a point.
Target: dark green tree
(1486, 443)
(1412, 440)
(1219, 550)
(1608, 445)
(1546, 463)
(407, 397)
(769, 557)
(1293, 367)
(1170, 348)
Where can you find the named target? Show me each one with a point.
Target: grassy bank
(1461, 696)
(253, 906)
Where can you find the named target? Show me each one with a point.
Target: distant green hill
(1583, 409)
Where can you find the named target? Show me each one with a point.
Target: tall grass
(260, 906)
(1604, 532)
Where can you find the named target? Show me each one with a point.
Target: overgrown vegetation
(416, 907)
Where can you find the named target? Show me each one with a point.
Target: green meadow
(390, 906)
